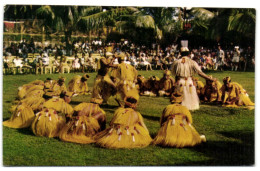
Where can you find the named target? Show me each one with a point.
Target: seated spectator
(214, 62)
(133, 60)
(82, 62)
(45, 59)
(63, 61)
(6, 62)
(158, 62)
(18, 63)
(208, 61)
(56, 64)
(90, 64)
(126, 59)
(26, 63)
(145, 63)
(75, 63)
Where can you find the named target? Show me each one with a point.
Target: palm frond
(85, 11)
(45, 11)
(145, 21)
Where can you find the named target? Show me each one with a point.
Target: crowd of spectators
(141, 57)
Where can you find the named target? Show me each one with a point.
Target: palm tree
(133, 20)
(64, 18)
(242, 21)
(232, 25)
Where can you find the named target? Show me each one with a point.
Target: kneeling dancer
(234, 95)
(87, 120)
(176, 128)
(127, 128)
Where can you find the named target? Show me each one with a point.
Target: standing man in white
(184, 69)
(235, 59)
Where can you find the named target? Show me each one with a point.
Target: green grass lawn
(229, 133)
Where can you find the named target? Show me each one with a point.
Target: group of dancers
(44, 105)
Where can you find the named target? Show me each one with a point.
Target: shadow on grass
(239, 152)
(153, 118)
(5, 119)
(26, 131)
(8, 101)
(107, 106)
(75, 102)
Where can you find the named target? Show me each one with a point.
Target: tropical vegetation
(141, 25)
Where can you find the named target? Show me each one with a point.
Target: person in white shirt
(18, 63)
(133, 60)
(220, 58)
(75, 63)
(100, 42)
(145, 63)
(235, 59)
(45, 59)
(6, 62)
(56, 64)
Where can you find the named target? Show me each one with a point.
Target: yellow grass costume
(35, 93)
(127, 128)
(30, 89)
(78, 85)
(61, 83)
(51, 88)
(47, 123)
(22, 117)
(126, 76)
(199, 88)
(84, 124)
(103, 87)
(166, 84)
(142, 84)
(59, 105)
(234, 95)
(36, 103)
(152, 86)
(176, 128)
(212, 91)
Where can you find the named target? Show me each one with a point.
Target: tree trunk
(43, 35)
(158, 48)
(68, 40)
(22, 29)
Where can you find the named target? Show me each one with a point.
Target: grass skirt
(177, 135)
(190, 97)
(80, 129)
(125, 131)
(29, 90)
(47, 123)
(76, 86)
(177, 130)
(22, 117)
(34, 102)
(59, 105)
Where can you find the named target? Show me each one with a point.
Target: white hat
(184, 44)
(236, 47)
